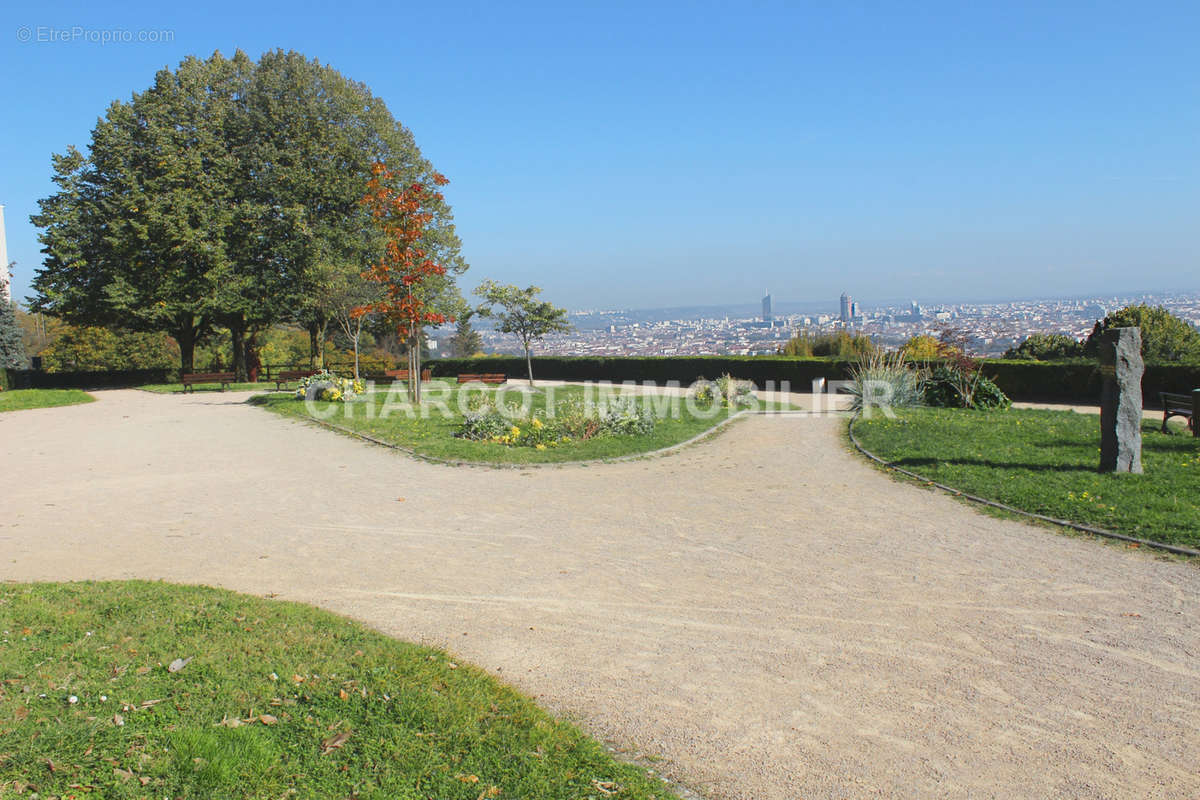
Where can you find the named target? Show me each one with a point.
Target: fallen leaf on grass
(142, 670)
(605, 787)
(118, 720)
(334, 742)
(491, 791)
(268, 719)
(342, 694)
(148, 703)
(179, 664)
(229, 722)
(468, 778)
(123, 774)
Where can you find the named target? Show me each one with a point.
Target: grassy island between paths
(432, 433)
(23, 399)
(1046, 462)
(99, 699)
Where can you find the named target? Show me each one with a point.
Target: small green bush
(941, 391)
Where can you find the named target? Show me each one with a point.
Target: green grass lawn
(434, 436)
(1045, 462)
(171, 388)
(278, 700)
(20, 399)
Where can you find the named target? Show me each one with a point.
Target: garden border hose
(1170, 548)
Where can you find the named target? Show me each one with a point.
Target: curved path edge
(1170, 548)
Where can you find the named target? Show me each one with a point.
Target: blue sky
(637, 155)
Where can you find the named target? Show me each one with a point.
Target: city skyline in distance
(830, 305)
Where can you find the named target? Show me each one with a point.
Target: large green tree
(225, 195)
(137, 234)
(1165, 337)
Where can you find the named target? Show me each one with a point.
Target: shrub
(571, 421)
(734, 392)
(484, 422)
(885, 378)
(947, 387)
(94, 349)
(922, 348)
(327, 386)
(627, 418)
(1046, 347)
(841, 344)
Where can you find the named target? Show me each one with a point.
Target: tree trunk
(529, 364)
(357, 334)
(237, 336)
(414, 367)
(186, 337)
(251, 356)
(312, 345)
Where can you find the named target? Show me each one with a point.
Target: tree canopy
(841, 344)
(518, 311)
(226, 194)
(1165, 337)
(12, 341)
(1046, 347)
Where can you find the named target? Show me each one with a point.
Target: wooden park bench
(393, 375)
(489, 377)
(193, 378)
(289, 375)
(1180, 405)
(402, 375)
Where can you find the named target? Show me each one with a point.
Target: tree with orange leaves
(403, 215)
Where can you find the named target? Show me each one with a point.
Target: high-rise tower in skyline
(845, 310)
(766, 305)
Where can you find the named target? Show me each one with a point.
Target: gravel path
(763, 612)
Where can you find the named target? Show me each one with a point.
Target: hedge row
(112, 379)
(1064, 381)
(1072, 381)
(799, 372)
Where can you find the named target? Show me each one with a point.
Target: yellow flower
(539, 447)
(516, 431)
(537, 424)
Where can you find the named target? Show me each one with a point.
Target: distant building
(766, 305)
(854, 311)
(847, 303)
(914, 311)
